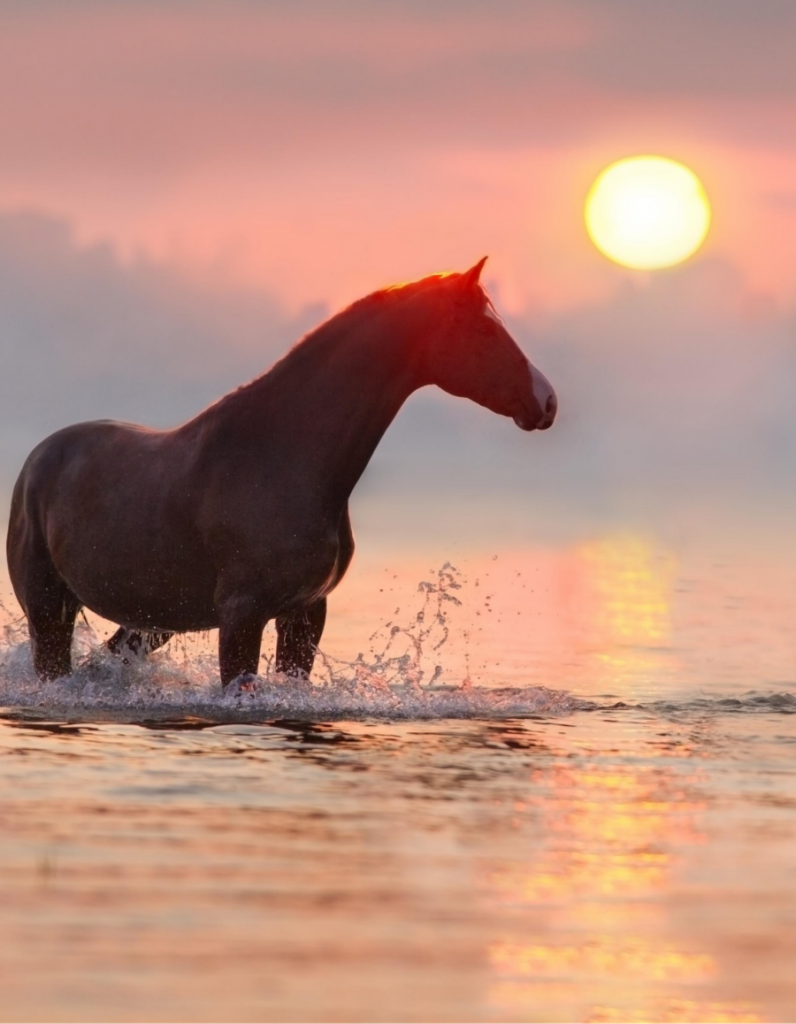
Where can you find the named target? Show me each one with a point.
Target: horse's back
(69, 446)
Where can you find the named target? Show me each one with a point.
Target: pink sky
(320, 150)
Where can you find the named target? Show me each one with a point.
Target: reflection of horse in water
(241, 515)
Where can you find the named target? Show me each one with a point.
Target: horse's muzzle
(541, 405)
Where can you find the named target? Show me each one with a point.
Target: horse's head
(474, 356)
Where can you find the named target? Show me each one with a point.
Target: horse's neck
(337, 393)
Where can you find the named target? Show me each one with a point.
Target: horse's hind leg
(51, 608)
(136, 642)
(298, 636)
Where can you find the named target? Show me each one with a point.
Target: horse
(240, 515)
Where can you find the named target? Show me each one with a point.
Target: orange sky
(322, 149)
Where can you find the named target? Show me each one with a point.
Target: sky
(185, 188)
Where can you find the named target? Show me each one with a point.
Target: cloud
(138, 87)
(85, 336)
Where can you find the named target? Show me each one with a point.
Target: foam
(162, 685)
(404, 679)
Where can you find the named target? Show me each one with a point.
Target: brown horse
(241, 515)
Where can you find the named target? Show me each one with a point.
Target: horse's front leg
(298, 636)
(240, 634)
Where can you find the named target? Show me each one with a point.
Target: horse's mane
(335, 329)
(382, 297)
(394, 292)
(391, 294)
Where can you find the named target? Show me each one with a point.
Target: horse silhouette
(240, 516)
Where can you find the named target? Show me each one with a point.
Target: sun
(647, 212)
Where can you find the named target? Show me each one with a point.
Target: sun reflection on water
(631, 584)
(630, 957)
(676, 1011)
(611, 834)
(591, 901)
(634, 581)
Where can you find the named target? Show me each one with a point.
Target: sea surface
(553, 783)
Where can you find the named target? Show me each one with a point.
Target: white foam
(161, 684)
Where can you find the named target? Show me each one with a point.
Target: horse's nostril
(550, 407)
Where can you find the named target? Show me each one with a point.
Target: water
(555, 785)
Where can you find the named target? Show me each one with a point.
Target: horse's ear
(471, 276)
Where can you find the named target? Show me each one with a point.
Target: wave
(752, 701)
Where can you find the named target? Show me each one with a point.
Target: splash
(402, 677)
(413, 670)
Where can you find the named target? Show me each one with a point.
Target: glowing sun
(647, 212)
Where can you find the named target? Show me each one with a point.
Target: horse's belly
(151, 591)
(169, 610)
(152, 616)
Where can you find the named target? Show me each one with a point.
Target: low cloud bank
(84, 336)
